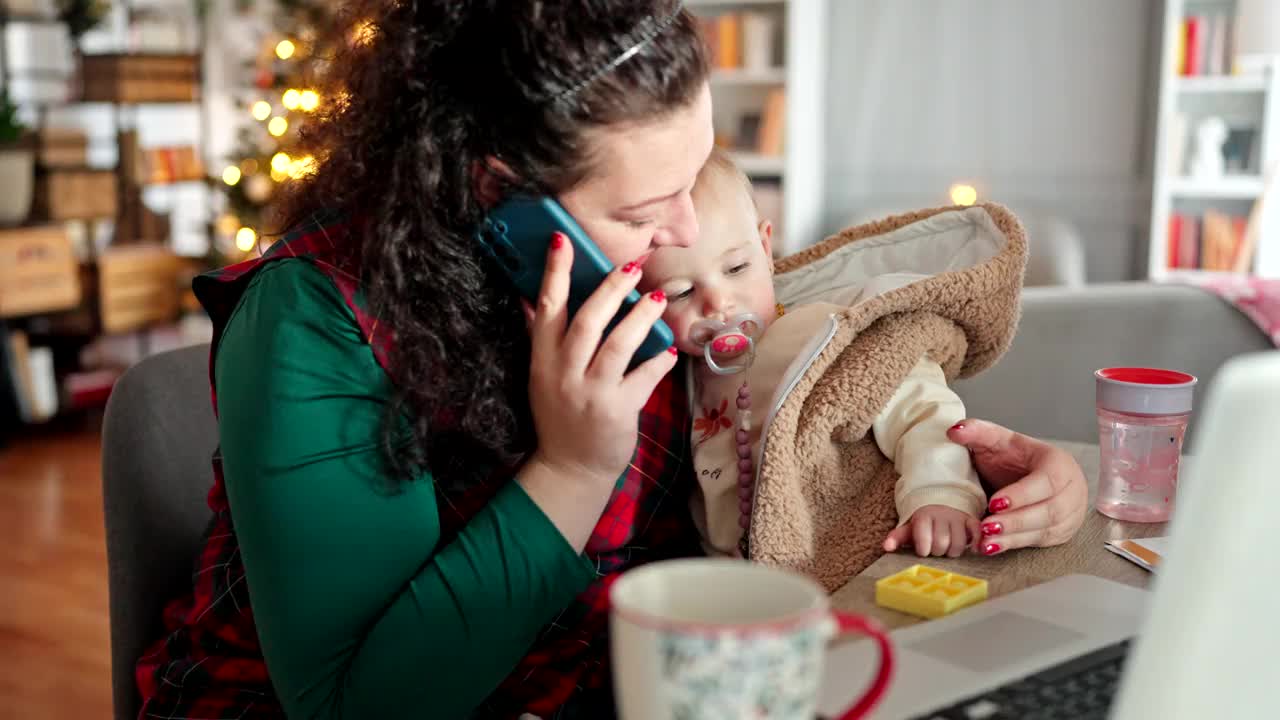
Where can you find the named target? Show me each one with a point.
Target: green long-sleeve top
(360, 610)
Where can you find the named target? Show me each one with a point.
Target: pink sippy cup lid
(1145, 391)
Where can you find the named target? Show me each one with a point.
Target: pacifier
(734, 338)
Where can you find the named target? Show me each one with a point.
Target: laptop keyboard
(1077, 689)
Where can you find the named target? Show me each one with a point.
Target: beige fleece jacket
(852, 438)
(910, 431)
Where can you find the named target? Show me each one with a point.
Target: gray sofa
(1044, 385)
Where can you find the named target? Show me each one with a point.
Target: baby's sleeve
(912, 432)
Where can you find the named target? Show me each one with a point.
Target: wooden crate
(137, 78)
(137, 286)
(61, 148)
(75, 194)
(39, 272)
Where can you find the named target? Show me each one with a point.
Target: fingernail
(657, 296)
(557, 240)
(990, 549)
(958, 426)
(999, 504)
(673, 350)
(629, 268)
(992, 528)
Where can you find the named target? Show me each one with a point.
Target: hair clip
(647, 36)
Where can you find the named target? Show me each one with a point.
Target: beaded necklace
(736, 338)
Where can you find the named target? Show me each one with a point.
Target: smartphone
(517, 233)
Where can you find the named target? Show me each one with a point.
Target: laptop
(1204, 642)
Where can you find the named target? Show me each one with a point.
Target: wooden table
(1017, 569)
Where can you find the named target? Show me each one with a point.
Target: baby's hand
(935, 530)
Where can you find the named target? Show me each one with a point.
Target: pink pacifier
(733, 338)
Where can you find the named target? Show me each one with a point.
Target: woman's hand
(1040, 496)
(586, 406)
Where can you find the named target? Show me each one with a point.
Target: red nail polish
(657, 296)
(990, 549)
(673, 350)
(992, 528)
(557, 240)
(629, 268)
(999, 504)
(958, 426)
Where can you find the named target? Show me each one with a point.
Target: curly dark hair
(441, 86)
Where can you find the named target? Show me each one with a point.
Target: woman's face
(638, 197)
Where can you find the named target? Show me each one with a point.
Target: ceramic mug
(710, 638)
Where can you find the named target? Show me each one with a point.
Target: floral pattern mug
(727, 639)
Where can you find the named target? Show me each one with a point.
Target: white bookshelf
(1242, 100)
(798, 68)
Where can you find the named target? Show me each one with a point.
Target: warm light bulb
(248, 166)
(963, 194)
(284, 49)
(278, 126)
(290, 98)
(309, 101)
(261, 110)
(231, 175)
(279, 175)
(280, 162)
(246, 239)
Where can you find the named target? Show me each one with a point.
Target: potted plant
(17, 164)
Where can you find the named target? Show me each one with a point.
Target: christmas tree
(280, 99)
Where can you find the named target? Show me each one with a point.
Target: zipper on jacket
(832, 325)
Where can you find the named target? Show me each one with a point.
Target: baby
(720, 293)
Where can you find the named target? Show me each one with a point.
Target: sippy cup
(1142, 417)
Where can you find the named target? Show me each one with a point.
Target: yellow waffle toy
(929, 592)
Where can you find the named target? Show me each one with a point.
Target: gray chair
(158, 436)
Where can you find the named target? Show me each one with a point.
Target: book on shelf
(1212, 241)
(1205, 45)
(740, 40)
(763, 132)
(773, 124)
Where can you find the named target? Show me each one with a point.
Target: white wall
(1043, 105)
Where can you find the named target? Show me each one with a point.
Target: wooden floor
(54, 633)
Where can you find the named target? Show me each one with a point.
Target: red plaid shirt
(210, 664)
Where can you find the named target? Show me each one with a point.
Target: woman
(432, 489)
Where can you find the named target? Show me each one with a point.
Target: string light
(231, 175)
(963, 194)
(291, 98)
(284, 49)
(261, 110)
(281, 161)
(363, 33)
(248, 166)
(302, 167)
(278, 126)
(228, 223)
(246, 239)
(279, 175)
(309, 100)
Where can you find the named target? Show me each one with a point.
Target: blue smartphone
(517, 233)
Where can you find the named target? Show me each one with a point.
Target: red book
(1195, 46)
(1175, 239)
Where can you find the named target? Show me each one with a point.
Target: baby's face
(726, 271)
